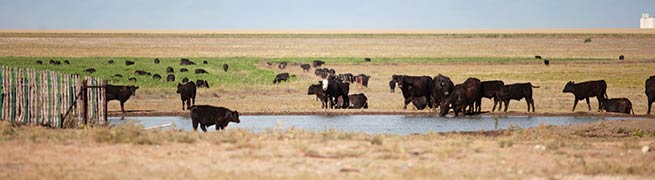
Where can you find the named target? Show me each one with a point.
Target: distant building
(647, 21)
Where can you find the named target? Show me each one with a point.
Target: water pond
(372, 124)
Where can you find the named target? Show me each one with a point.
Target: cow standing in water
(187, 94)
(585, 90)
(650, 91)
(120, 93)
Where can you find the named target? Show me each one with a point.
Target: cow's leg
(203, 127)
(194, 102)
(589, 104)
(506, 105)
(495, 103)
(195, 125)
(122, 104)
(407, 101)
(182, 104)
(650, 103)
(600, 102)
(532, 102)
(527, 101)
(575, 103)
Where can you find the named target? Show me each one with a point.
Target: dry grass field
(604, 150)
(548, 43)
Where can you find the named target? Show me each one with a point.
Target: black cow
(132, 79)
(206, 116)
(129, 63)
(282, 65)
(585, 90)
(414, 86)
(517, 92)
(546, 62)
(67, 62)
(202, 83)
(619, 105)
(363, 79)
(467, 94)
(442, 86)
(110, 62)
(184, 70)
(392, 86)
(117, 76)
(90, 70)
(621, 57)
(317, 63)
(184, 61)
(156, 60)
(225, 67)
(53, 62)
(537, 57)
(317, 89)
(170, 70)
(120, 93)
(336, 89)
(205, 62)
(187, 94)
(367, 59)
(650, 91)
(324, 72)
(39, 62)
(141, 72)
(358, 101)
(185, 80)
(281, 77)
(156, 76)
(493, 90)
(305, 67)
(170, 78)
(331, 72)
(348, 77)
(200, 71)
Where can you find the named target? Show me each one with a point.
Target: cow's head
(443, 108)
(392, 86)
(568, 87)
(314, 89)
(232, 116)
(132, 89)
(179, 87)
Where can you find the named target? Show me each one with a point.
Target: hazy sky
(322, 14)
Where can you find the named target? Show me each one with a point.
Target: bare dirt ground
(603, 150)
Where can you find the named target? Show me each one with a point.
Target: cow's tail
(533, 86)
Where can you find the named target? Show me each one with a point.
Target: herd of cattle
(438, 92)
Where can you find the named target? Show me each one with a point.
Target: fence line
(36, 97)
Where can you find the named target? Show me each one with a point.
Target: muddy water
(373, 124)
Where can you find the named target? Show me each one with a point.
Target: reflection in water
(373, 124)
